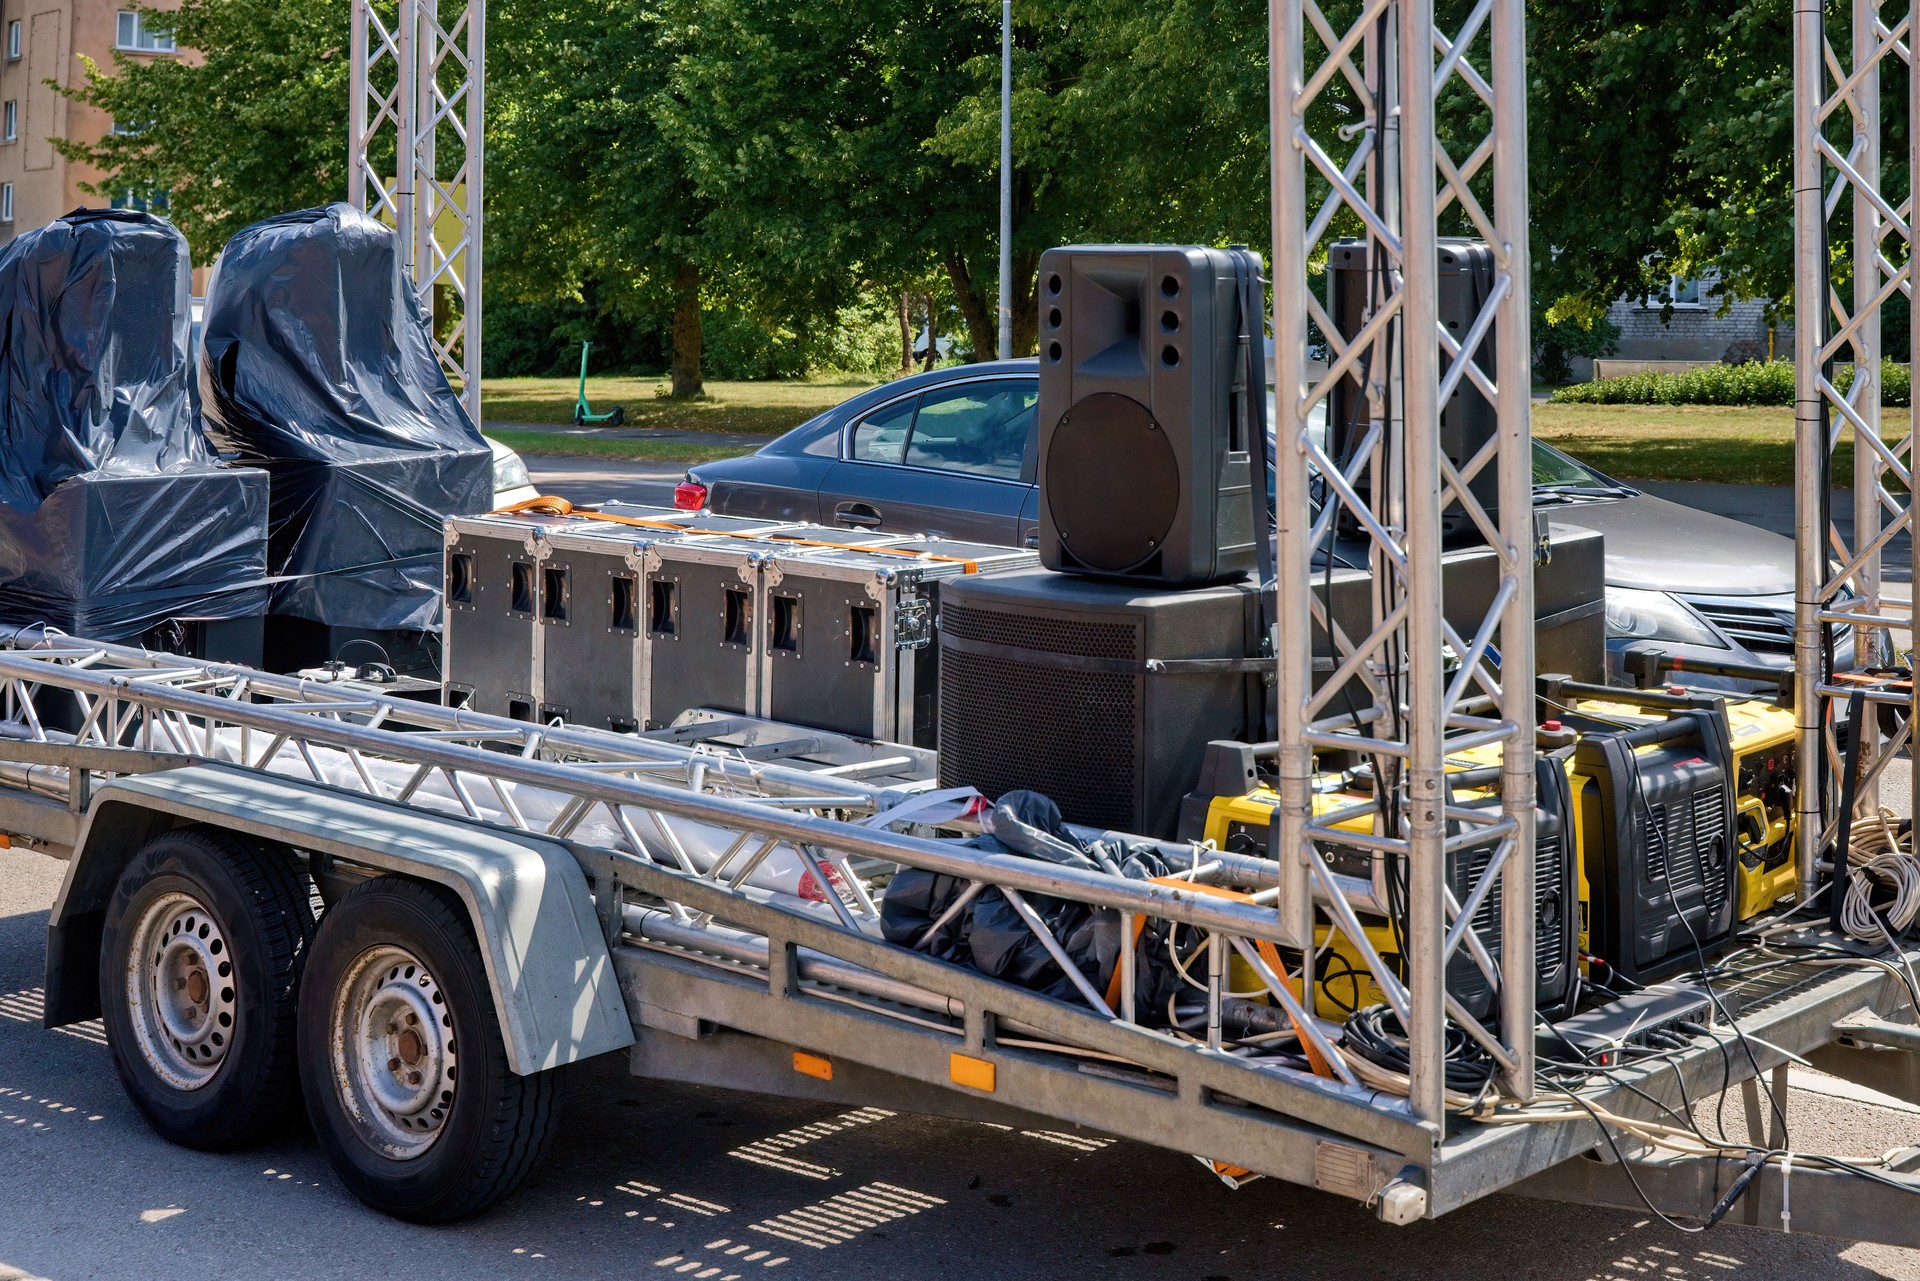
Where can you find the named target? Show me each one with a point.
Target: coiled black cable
(1376, 1035)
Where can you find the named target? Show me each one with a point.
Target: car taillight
(689, 495)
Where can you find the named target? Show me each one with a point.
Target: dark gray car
(950, 452)
(953, 453)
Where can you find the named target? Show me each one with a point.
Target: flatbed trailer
(508, 898)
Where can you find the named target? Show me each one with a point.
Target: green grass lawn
(1732, 444)
(1737, 445)
(764, 407)
(555, 444)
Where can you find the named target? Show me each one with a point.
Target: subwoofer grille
(1047, 635)
(1076, 738)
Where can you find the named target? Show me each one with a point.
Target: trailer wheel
(200, 958)
(402, 1060)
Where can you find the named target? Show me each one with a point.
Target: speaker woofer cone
(1112, 483)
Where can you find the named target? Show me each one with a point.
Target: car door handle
(859, 515)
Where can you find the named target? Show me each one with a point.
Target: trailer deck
(722, 980)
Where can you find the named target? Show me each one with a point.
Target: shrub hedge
(1758, 382)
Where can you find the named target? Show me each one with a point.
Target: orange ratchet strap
(547, 505)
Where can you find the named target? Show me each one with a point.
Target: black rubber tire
(500, 1125)
(259, 896)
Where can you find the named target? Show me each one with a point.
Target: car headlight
(1656, 616)
(510, 472)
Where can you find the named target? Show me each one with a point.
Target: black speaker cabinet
(1142, 473)
(1088, 691)
(1467, 419)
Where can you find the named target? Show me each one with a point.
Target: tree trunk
(983, 322)
(933, 334)
(1026, 310)
(906, 332)
(973, 308)
(686, 331)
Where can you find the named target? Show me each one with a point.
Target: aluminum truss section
(705, 819)
(1853, 244)
(416, 156)
(1359, 147)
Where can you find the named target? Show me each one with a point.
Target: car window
(881, 437)
(978, 428)
(824, 445)
(1551, 467)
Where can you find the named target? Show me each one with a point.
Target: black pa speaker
(1467, 420)
(1143, 474)
(1102, 695)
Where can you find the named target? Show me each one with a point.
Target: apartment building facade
(41, 41)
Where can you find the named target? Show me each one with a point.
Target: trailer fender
(547, 964)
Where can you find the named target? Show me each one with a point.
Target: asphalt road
(672, 1181)
(599, 480)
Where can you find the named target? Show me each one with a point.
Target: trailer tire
(403, 1063)
(200, 958)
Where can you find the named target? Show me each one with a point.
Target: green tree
(252, 126)
(1660, 140)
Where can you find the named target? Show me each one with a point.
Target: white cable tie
(1786, 1199)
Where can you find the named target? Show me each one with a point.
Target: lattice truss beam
(1853, 214)
(417, 157)
(1394, 129)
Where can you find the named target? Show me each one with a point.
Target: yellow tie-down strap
(548, 505)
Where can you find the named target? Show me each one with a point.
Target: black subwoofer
(1102, 695)
(1143, 473)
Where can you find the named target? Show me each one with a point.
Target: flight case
(848, 633)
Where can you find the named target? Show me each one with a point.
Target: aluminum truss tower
(416, 142)
(1357, 150)
(1853, 243)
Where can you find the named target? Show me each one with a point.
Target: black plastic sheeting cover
(989, 936)
(115, 516)
(317, 365)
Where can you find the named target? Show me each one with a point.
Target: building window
(1680, 293)
(141, 201)
(122, 128)
(13, 40)
(136, 34)
(6, 202)
(10, 121)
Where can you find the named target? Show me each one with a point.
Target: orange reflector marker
(975, 1074)
(6, 842)
(812, 1065)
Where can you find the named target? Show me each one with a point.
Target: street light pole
(1006, 179)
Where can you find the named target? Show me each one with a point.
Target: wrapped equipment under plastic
(317, 365)
(115, 516)
(989, 935)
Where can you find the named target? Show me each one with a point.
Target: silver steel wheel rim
(393, 1053)
(181, 990)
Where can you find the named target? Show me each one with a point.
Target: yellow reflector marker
(812, 1065)
(975, 1074)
